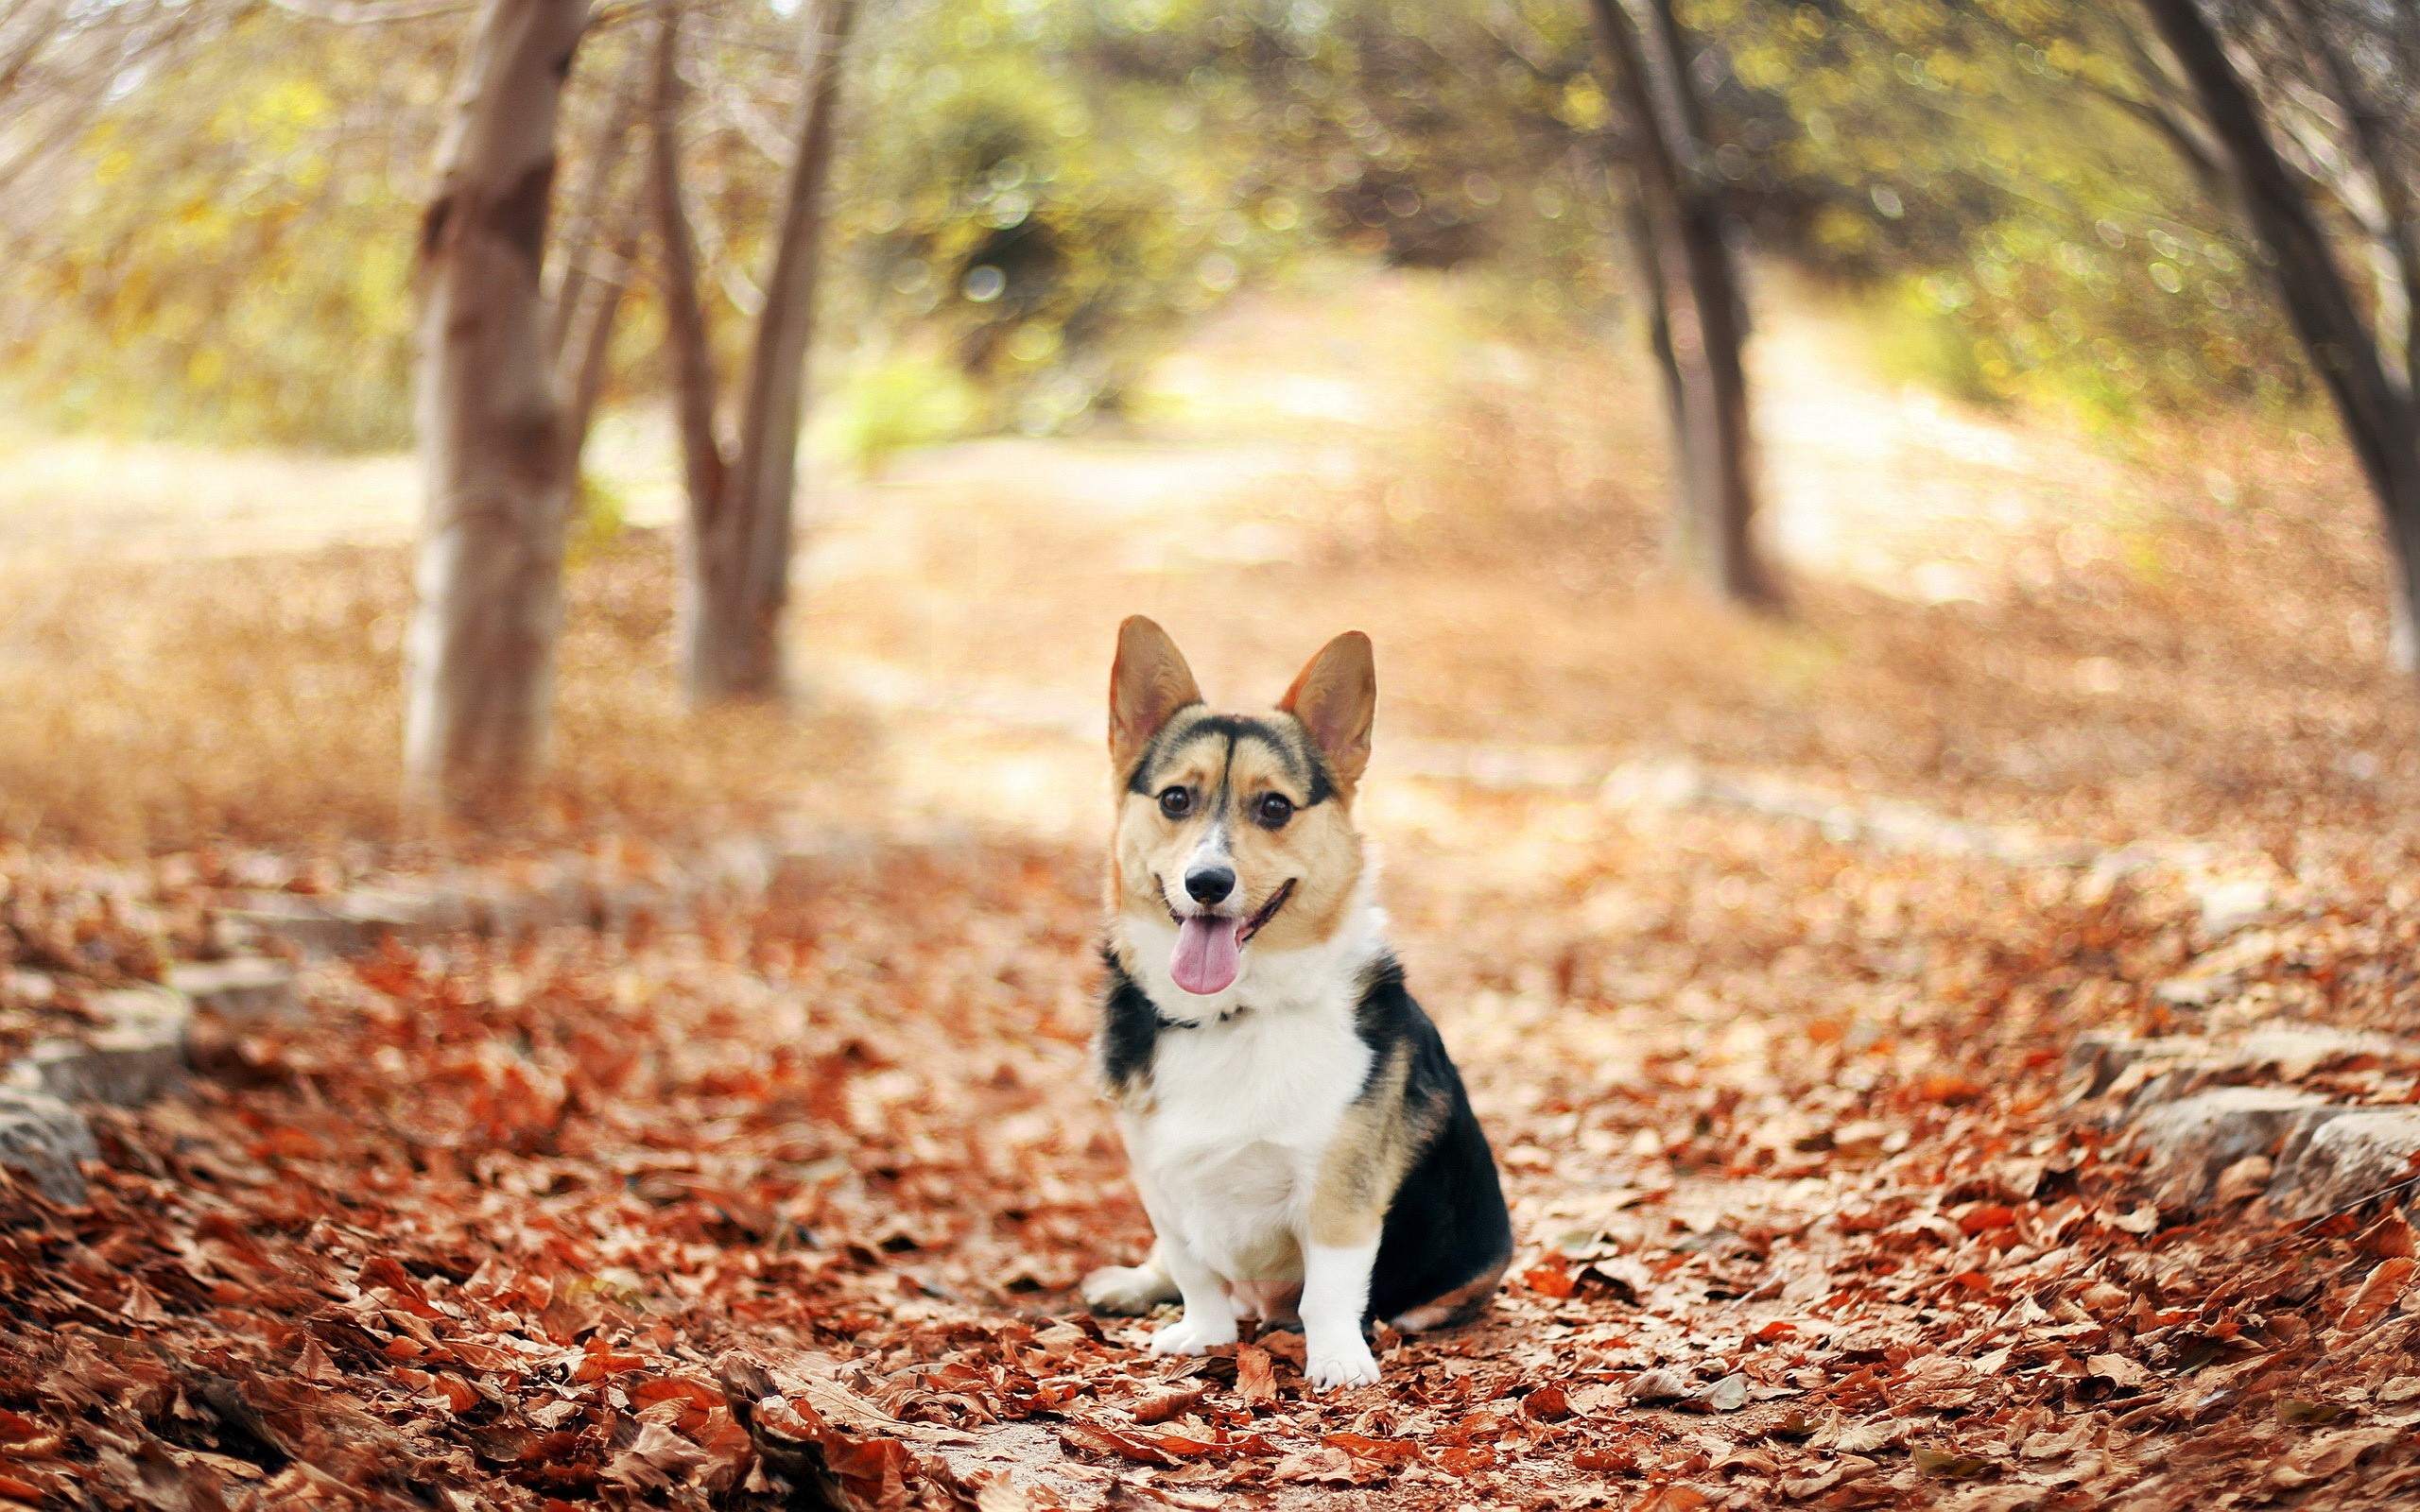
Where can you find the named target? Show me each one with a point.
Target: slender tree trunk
(704, 464)
(2376, 410)
(1705, 328)
(2398, 234)
(1644, 231)
(580, 362)
(596, 217)
(1642, 235)
(480, 653)
(741, 530)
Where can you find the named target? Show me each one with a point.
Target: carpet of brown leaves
(668, 1217)
(784, 1205)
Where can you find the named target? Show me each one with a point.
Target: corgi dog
(1299, 1136)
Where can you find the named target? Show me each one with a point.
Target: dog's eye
(1177, 802)
(1274, 809)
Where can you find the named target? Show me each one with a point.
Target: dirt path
(1895, 488)
(1869, 481)
(942, 591)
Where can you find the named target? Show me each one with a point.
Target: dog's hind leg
(1131, 1290)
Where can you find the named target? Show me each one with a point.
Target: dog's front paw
(1195, 1333)
(1346, 1363)
(1127, 1291)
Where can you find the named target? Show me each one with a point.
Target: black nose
(1210, 885)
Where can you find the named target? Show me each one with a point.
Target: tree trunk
(1703, 327)
(1644, 230)
(704, 464)
(1643, 235)
(480, 653)
(588, 334)
(740, 556)
(595, 207)
(2377, 413)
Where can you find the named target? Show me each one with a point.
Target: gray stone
(300, 922)
(2293, 1051)
(382, 911)
(137, 1053)
(2341, 1162)
(48, 1142)
(349, 922)
(2192, 1140)
(2095, 1061)
(242, 987)
(2230, 903)
(2142, 1075)
(2198, 991)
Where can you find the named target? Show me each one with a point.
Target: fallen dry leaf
(2384, 1288)
(1255, 1375)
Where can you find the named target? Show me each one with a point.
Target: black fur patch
(1130, 1028)
(1447, 1225)
(1282, 735)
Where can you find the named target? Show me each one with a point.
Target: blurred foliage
(1977, 162)
(909, 399)
(1032, 199)
(231, 256)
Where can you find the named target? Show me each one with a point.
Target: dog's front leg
(1132, 1290)
(1335, 1290)
(1209, 1317)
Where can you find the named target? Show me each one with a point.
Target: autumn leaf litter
(693, 1217)
(786, 1205)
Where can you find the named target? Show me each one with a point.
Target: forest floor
(1762, 945)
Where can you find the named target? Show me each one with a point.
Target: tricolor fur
(1299, 1137)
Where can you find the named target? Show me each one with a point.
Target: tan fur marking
(1380, 1136)
(1459, 1305)
(1335, 697)
(1318, 850)
(1147, 682)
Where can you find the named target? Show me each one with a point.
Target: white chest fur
(1228, 1142)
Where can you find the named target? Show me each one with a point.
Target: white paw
(1127, 1291)
(1195, 1333)
(1340, 1365)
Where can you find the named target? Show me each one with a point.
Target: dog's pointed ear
(1147, 683)
(1336, 698)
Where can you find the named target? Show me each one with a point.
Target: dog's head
(1235, 830)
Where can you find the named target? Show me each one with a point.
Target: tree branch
(372, 12)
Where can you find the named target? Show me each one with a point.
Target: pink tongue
(1205, 955)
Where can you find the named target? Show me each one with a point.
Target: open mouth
(1209, 946)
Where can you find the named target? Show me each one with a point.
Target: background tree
(1697, 310)
(1037, 198)
(2337, 79)
(598, 252)
(499, 473)
(737, 546)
